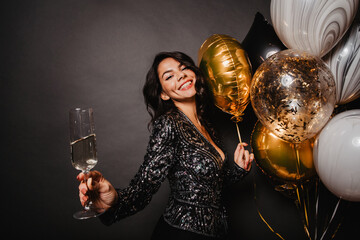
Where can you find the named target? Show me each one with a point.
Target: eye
(169, 77)
(184, 68)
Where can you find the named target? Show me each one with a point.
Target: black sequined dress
(196, 173)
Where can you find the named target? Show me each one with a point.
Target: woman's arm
(153, 171)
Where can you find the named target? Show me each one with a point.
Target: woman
(183, 148)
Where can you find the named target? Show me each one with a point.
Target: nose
(181, 76)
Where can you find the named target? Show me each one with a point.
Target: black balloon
(261, 41)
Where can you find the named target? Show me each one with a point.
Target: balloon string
(302, 190)
(317, 196)
(238, 132)
(300, 193)
(260, 215)
(302, 207)
(331, 219)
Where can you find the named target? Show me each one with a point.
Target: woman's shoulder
(165, 127)
(167, 120)
(168, 117)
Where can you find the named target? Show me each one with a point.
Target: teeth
(185, 85)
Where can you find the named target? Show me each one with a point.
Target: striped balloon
(314, 26)
(344, 63)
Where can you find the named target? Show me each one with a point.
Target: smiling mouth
(186, 85)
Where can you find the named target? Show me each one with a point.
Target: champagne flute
(83, 149)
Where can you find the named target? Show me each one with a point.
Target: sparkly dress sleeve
(151, 174)
(232, 172)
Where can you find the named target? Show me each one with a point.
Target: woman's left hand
(242, 157)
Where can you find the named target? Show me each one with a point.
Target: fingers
(238, 155)
(88, 182)
(83, 193)
(96, 175)
(83, 199)
(83, 188)
(244, 144)
(242, 157)
(246, 160)
(91, 179)
(88, 190)
(237, 151)
(80, 177)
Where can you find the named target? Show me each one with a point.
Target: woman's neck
(189, 109)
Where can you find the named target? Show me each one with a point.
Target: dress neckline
(202, 135)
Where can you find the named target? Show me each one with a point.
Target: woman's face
(177, 81)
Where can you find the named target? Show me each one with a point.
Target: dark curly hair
(152, 90)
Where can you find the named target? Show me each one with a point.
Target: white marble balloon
(344, 62)
(336, 155)
(314, 26)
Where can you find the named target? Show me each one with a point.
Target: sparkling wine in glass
(83, 149)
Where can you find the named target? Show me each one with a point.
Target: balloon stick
(238, 132)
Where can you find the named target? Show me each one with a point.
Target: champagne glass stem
(87, 205)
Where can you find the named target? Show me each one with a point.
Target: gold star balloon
(226, 67)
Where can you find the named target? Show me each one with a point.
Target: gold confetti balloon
(293, 94)
(226, 66)
(277, 158)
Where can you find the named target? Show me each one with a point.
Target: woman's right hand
(93, 186)
(242, 157)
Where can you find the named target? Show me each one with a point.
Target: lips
(186, 85)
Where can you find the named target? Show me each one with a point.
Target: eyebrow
(171, 70)
(162, 76)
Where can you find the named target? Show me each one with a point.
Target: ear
(164, 96)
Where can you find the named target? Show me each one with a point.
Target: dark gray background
(56, 55)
